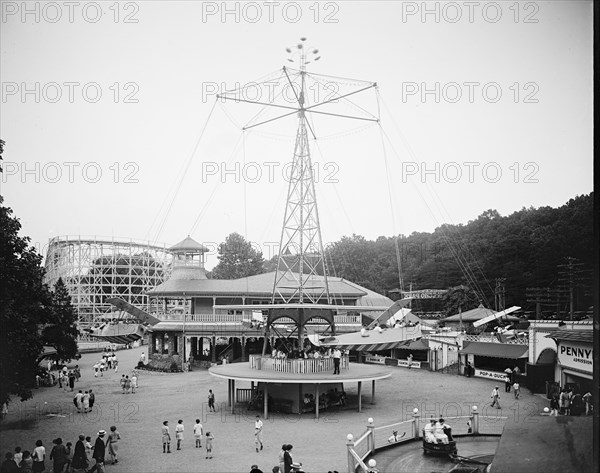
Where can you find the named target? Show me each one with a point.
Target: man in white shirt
(337, 355)
(198, 432)
(258, 427)
(495, 396)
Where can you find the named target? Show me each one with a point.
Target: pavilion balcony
(349, 321)
(296, 365)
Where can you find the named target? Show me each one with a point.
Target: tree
(237, 259)
(459, 299)
(62, 333)
(30, 315)
(24, 305)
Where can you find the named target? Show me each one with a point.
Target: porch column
(359, 396)
(373, 392)
(243, 340)
(233, 396)
(316, 401)
(213, 349)
(266, 401)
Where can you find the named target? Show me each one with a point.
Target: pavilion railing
(296, 366)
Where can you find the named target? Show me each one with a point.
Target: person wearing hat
(99, 452)
(80, 461)
(255, 469)
(495, 396)
(287, 459)
(58, 454)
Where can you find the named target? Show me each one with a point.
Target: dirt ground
(319, 444)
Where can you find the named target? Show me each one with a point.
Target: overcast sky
(481, 106)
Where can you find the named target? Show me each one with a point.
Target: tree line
(526, 249)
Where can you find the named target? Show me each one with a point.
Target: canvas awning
(374, 341)
(496, 350)
(119, 333)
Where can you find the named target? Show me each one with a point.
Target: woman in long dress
(113, 444)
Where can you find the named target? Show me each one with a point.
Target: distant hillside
(526, 248)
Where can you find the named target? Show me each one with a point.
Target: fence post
(349, 447)
(371, 437)
(416, 433)
(475, 420)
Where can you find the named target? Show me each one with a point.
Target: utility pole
(499, 294)
(571, 276)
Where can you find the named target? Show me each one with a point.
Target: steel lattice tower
(301, 273)
(301, 256)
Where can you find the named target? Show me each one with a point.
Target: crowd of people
(570, 402)
(66, 457)
(333, 397)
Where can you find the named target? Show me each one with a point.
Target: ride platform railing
(384, 436)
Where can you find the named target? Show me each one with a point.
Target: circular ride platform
(297, 384)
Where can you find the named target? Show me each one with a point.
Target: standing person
(18, 456)
(281, 455)
(179, 433)
(211, 401)
(88, 449)
(554, 405)
(60, 379)
(468, 369)
(27, 462)
(517, 389)
(115, 362)
(209, 444)
(71, 380)
(258, 427)
(69, 449)
(198, 432)
(287, 459)
(127, 385)
(39, 457)
(166, 437)
(80, 459)
(495, 396)
(337, 355)
(143, 358)
(92, 399)
(79, 400)
(123, 383)
(113, 444)
(99, 452)
(9, 465)
(587, 398)
(409, 359)
(96, 369)
(133, 381)
(507, 383)
(86, 401)
(569, 401)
